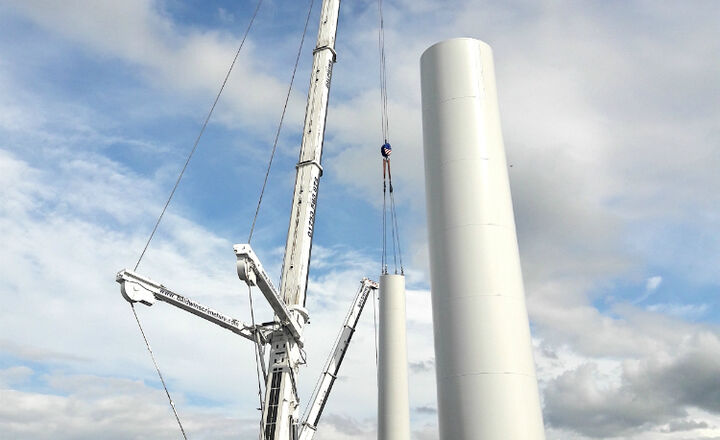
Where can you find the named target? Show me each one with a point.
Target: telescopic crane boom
(332, 367)
(281, 404)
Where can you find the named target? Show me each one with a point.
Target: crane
(283, 336)
(281, 400)
(136, 288)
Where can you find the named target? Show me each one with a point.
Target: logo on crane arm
(329, 73)
(313, 204)
(199, 307)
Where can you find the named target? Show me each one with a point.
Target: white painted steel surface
(393, 403)
(281, 403)
(137, 288)
(486, 381)
(296, 262)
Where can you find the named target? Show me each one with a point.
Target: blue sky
(609, 115)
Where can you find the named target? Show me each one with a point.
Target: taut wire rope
(385, 151)
(202, 130)
(384, 223)
(383, 76)
(152, 356)
(167, 203)
(282, 118)
(396, 229)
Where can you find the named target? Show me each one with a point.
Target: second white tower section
(393, 404)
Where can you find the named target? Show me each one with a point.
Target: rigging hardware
(385, 151)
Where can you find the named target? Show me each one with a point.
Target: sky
(610, 117)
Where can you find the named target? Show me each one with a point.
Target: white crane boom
(280, 407)
(136, 288)
(330, 373)
(298, 246)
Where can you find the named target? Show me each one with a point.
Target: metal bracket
(332, 50)
(252, 272)
(136, 288)
(310, 162)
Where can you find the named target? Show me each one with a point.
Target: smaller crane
(136, 288)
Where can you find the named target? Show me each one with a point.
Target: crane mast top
(296, 262)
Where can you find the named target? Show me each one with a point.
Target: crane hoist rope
(383, 76)
(385, 151)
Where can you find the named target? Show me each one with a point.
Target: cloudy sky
(610, 114)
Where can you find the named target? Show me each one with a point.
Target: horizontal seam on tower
(450, 99)
(475, 296)
(463, 160)
(475, 224)
(532, 376)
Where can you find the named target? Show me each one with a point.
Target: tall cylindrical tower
(393, 403)
(486, 384)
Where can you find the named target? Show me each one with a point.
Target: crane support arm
(252, 272)
(136, 288)
(329, 374)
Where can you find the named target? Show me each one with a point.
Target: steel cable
(383, 76)
(387, 175)
(167, 203)
(152, 356)
(384, 225)
(202, 130)
(282, 118)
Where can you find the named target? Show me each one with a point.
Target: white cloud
(69, 286)
(170, 57)
(652, 392)
(653, 283)
(685, 425)
(89, 407)
(14, 376)
(610, 143)
(686, 311)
